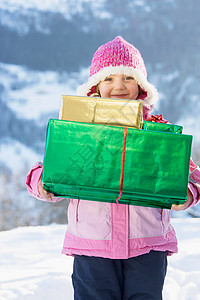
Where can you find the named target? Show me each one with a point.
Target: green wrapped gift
(84, 161)
(147, 125)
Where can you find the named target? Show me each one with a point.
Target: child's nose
(119, 84)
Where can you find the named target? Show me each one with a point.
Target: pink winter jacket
(116, 230)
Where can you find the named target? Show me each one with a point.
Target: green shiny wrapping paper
(83, 161)
(147, 125)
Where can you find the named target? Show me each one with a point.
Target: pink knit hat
(119, 57)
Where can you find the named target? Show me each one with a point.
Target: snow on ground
(33, 268)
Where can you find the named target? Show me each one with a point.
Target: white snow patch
(32, 94)
(67, 8)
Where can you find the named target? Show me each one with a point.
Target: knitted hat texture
(119, 57)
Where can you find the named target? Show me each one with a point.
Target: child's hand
(43, 193)
(185, 204)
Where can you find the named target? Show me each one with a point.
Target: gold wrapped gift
(118, 112)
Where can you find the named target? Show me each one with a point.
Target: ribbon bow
(157, 118)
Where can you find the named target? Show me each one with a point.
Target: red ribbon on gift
(122, 165)
(157, 118)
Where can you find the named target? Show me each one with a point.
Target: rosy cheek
(105, 95)
(104, 91)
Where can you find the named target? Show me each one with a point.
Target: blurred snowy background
(45, 51)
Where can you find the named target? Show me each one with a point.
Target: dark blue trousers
(141, 277)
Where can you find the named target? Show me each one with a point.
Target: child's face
(119, 86)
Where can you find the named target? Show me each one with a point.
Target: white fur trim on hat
(152, 94)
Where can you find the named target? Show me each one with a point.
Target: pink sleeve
(194, 183)
(32, 183)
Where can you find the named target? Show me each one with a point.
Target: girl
(119, 250)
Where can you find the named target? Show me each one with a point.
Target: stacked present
(101, 111)
(94, 155)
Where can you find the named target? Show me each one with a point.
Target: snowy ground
(33, 268)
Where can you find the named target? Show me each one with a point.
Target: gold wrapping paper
(118, 112)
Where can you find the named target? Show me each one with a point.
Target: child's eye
(108, 79)
(128, 78)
